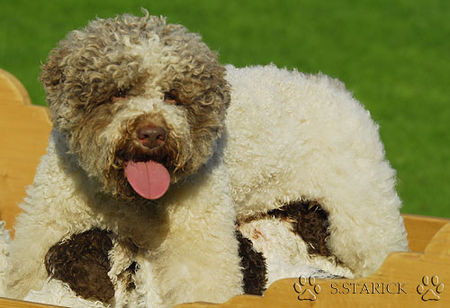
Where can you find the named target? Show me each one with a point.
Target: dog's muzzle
(151, 137)
(144, 156)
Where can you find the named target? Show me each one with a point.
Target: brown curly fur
(134, 58)
(253, 266)
(310, 221)
(82, 262)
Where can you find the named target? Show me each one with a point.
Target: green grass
(394, 55)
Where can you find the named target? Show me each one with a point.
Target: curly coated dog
(170, 178)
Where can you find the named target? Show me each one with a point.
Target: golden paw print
(430, 288)
(307, 289)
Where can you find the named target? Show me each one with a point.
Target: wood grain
(421, 230)
(10, 303)
(24, 131)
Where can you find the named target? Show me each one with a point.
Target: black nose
(151, 136)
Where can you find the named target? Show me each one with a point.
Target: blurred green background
(394, 55)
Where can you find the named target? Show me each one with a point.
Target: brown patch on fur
(310, 221)
(250, 218)
(82, 262)
(253, 266)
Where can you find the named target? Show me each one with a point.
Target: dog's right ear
(52, 73)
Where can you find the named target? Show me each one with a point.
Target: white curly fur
(5, 240)
(294, 136)
(178, 261)
(55, 292)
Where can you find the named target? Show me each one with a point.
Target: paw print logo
(307, 288)
(430, 288)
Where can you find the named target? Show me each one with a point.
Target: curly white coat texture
(5, 240)
(294, 135)
(178, 260)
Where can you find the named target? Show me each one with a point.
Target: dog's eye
(171, 97)
(120, 95)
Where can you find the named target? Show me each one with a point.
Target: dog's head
(136, 98)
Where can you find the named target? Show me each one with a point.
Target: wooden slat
(421, 230)
(10, 303)
(24, 131)
(11, 90)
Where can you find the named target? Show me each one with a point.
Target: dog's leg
(124, 266)
(82, 262)
(56, 292)
(198, 261)
(95, 265)
(52, 210)
(55, 210)
(293, 241)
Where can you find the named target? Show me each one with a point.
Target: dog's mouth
(150, 179)
(146, 173)
(144, 169)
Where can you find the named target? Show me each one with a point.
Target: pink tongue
(149, 179)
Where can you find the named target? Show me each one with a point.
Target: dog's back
(294, 138)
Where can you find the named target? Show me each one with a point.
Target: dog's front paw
(81, 261)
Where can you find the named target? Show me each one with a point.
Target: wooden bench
(401, 280)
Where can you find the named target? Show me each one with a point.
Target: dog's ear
(221, 87)
(52, 73)
(225, 93)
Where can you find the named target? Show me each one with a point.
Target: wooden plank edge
(421, 229)
(22, 96)
(12, 303)
(16, 86)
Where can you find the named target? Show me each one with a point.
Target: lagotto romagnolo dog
(170, 178)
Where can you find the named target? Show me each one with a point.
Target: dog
(171, 178)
